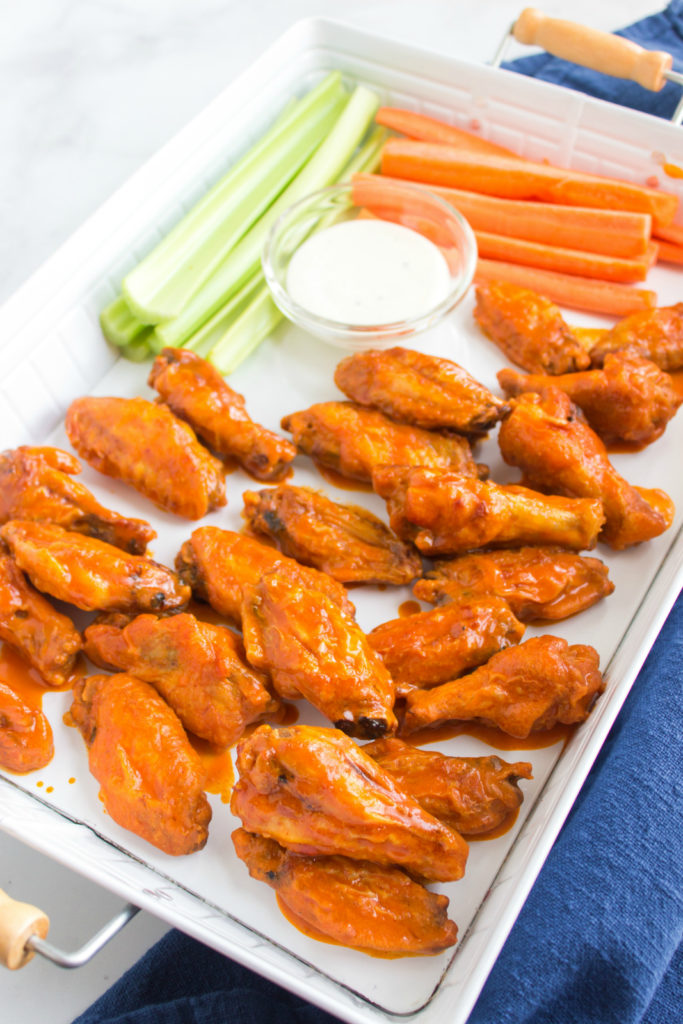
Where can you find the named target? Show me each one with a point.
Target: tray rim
(633, 648)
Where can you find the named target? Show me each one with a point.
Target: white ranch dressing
(367, 272)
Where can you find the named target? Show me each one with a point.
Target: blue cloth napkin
(599, 940)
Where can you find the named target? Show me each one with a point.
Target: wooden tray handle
(18, 921)
(593, 49)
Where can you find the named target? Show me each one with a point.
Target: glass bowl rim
(411, 325)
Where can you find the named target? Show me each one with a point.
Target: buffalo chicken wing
(26, 742)
(47, 639)
(529, 329)
(36, 483)
(196, 392)
(353, 440)
(557, 451)
(89, 573)
(146, 446)
(523, 689)
(540, 584)
(630, 399)
(445, 513)
(218, 564)
(315, 792)
(152, 781)
(473, 795)
(345, 541)
(431, 647)
(197, 667)
(656, 334)
(425, 391)
(312, 649)
(353, 902)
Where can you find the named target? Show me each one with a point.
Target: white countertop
(88, 91)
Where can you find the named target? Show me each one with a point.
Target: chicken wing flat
(630, 399)
(315, 792)
(198, 668)
(152, 780)
(473, 795)
(353, 440)
(425, 391)
(445, 513)
(145, 445)
(431, 647)
(26, 742)
(196, 392)
(217, 565)
(89, 573)
(657, 334)
(345, 541)
(47, 639)
(540, 584)
(312, 649)
(529, 329)
(353, 902)
(557, 451)
(35, 483)
(523, 689)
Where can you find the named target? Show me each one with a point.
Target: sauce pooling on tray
(367, 272)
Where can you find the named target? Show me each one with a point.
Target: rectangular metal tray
(52, 351)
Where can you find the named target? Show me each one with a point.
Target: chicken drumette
(557, 451)
(354, 902)
(431, 647)
(523, 689)
(197, 667)
(540, 584)
(656, 334)
(425, 391)
(152, 780)
(345, 541)
(36, 483)
(630, 399)
(312, 649)
(315, 792)
(197, 393)
(529, 329)
(26, 742)
(473, 795)
(353, 440)
(145, 445)
(217, 564)
(89, 573)
(445, 513)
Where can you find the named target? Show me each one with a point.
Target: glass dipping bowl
(412, 206)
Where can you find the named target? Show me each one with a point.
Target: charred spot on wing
(364, 728)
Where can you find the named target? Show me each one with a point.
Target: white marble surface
(88, 90)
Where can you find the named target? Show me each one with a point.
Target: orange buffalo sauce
(218, 767)
(343, 483)
(407, 608)
(500, 830)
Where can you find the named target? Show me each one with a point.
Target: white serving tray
(52, 351)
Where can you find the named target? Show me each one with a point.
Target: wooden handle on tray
(18, 922)
(592, 48)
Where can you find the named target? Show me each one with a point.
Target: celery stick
(119, 325)
(247, 332)
(137, 350)
(158, 288)
(215, 327)
(262, 315)
(322, 169)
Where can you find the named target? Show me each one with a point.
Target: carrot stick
(429, 129)
(610, 232)
(670, 253)
(566, 261)
(673, 233)
(509, 178)
(568, 290)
